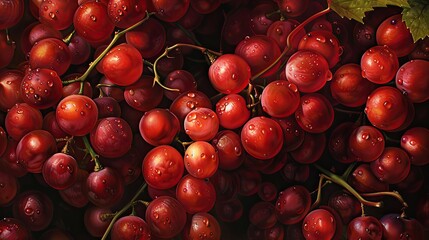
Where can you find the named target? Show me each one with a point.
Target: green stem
(123, 210)
(338, 180)
(67, 39)
(319, 192)
(288, 41)
(117, 36)
(349, 170)
(393, 194)
(94, 156)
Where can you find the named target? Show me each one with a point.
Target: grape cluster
(211, 119)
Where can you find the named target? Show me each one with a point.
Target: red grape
(415, 142)
(201, 159)
(195, 194)
(201, 124)
(57, 13)
(366, 143)
(315, 113)
(35, 209)
(319, 224)
(170, 11)
(159, 126)
(10, 186)
(125, 13)
(322, 42)
(379, 64)
(104, 187)
(130, 227)
(60, 171)
(11, 12)
(392, 166)
(411, 80)
(394, 33)
(232, 111)
(14, 229)
(228, 146)
(365, 228)
(10, 83)
(293, 204)
(280, 99)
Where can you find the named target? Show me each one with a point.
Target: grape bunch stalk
(214, 119)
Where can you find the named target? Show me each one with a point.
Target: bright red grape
(394, 33)
(280, 99)
(159, 126)
(201, 159)
(104, 187)
(315, 113)
(293, 204)
(195, 194)
(232, 111)
(379, 64)
(201, 124)
(411, 80)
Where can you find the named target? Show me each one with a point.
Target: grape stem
(122, 211)
(394, 194)
(117, 36)
(156, 79)
(68, 140)
(67, 39)
(319, 191)
(184, 144)
(338, 180)
(288, 41)
(94, 156)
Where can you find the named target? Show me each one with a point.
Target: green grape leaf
(353, 9)
(416, 18)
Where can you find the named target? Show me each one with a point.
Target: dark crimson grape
(237, 26)
(379, 64)
(170, 11)
(77, 115)
(415, 141)
(293, 8)
(421, 51)
(262, 215)
(311, 148)
(262, 137)
(163, 167)
(148, 38)
(364, 228)
(204, 225)
(410, 79)
(41, 88)
(180, 79)
(346, 206)
(323, 42)
(10, 83)
(8, 161)
(338, 142)
(201, 124)
(159, 126)
(125, 13)
(7, 48)
(260, 20)
(386, 108)
(394, 33)
(34, 149)
(94, 221)
(195, 194)
(57, 13)
(267, 191)
(3, 141)
(229, 211)
(51, 53)
(295, 172)
(130, 227)
(111, 137)
(22, 119)
(187, 102)
(9, 186)
(56, 233)
(76, 195)
(413, 182)
(308, 70)
(205, 6)
(259, 52)
(232, 111)
(42, 31)
(107, 107)
(364, 35)
(50, 124)
(315, 113)
(143, 95)
(280, 30)
(319, 224)
(293, 204)
(166, 217)
(105, 187)
(349, 88)
(292, 132)
(80, 50)
(230, 73)
(366, 143)
(14, 229)
(201, 159)
(11, 13)
(60, 171)
(249, 181)
(35, 209)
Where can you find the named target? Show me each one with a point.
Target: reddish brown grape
(232, 111)
(201, 159)
(107, 107)
(41, 88)
(365, 228)
(280, 99)
(60, 171)
(315, 113)
(125, 13)
(392, 166)
(51, 53)
(259, 52)
(34, 209)
(366, 143)
(57, 13)
(411, 80)
(10, 83)
(34, 149)
(11, 13)
(319, 224)
(394, 33)
(293, 8)
(111, 137)
(262, 137)
(166, 217)
(262, 15)
(77, 115)
(148, 38)
(163, 167)
(363, 180)
(228, 146)
(311, 148)
(386, 108)
(180, 79)
(379, 64)
(8, 161)
(94, 223)
(89, 18)
(42, 31)
(338, 143)
(130, 227)
(204, 225)
(267, 191)
(349, 88)
(80, 50)
(201, 124)
(415, 142)
(346, 205)
(195, 194)
(293, 134)
(170, 11)
(262, 215)
(159, 126)
(76, 195)
(323, 42)
(22, 119)
(104, 187)
(237, 26)
(230, 73)
(308, 70)
(293, 204)
(187, 102)
(14, 229)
